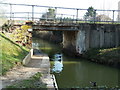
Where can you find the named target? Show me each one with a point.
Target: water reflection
(58, 63)
(35, 45)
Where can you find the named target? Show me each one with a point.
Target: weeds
(32, 82)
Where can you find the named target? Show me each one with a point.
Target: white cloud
(98, 4)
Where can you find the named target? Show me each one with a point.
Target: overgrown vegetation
(21, 35)
(32, 82)
(11, 53)
(18, 34)
(6, 27)
(109, 56)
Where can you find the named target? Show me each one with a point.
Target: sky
(97, 4)
(82, 4)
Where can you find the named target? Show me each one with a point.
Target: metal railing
(67, 15)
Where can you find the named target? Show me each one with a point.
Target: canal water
(77, 72)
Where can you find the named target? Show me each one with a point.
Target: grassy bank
(11, 53)
(109, 56)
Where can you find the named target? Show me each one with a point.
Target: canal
(77, 72)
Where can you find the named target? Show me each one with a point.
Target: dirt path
(23, 72)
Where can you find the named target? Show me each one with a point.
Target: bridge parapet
(56, 26)
(72, 26)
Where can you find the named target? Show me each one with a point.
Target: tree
(103, 18)
(50, 14)
(90, 14)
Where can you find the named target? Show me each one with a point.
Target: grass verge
(32, 82)
(11, 54)
(109, 56)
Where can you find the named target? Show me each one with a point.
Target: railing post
(32, 12)
(13, 18)
(77, 16)
(46, 17)
(28, 15)
(95, 15)
(113, 15)
(55, 14)
(10, 11)
(73, 17)
(61, 17)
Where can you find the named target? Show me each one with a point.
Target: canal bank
(104, 56)
(34, 74)
(78, 72)
(11, 54)
(110, 56)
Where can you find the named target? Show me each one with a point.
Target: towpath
(37, 64)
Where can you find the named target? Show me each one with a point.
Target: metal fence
(61, 14)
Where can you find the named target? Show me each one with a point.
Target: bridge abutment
(91, 36)
(69, 42)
